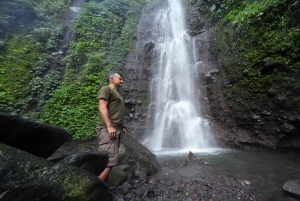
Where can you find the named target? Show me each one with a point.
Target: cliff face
(141, 67)
(250, 98)
(256, 95)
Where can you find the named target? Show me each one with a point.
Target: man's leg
(104, 175)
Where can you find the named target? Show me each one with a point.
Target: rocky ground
(203, 186)
(178, 180)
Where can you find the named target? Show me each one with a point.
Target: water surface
(266, 172)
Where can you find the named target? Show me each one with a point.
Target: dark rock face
(92, 162)
(30, 135)
(267, 123)
(26, 177)
(137, 81)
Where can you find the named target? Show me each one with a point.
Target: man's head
(114, 80)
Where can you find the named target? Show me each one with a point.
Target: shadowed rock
(26, 177)
(31, 135)
(194, 33)
(93, 162)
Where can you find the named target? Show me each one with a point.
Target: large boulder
(26, 177)
(93, 162)
(31, 135)
(138, 152)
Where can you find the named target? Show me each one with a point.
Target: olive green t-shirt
(115, 107)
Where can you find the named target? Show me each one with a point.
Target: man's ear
(111, 78)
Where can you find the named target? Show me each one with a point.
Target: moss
(258, 42)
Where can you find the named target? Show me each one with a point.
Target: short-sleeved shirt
(115, 107)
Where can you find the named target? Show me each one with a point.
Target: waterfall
(177, 119)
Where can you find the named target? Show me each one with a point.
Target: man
(110, 125)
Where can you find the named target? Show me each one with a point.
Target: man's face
(117, 80)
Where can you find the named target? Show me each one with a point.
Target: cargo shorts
(110, 146)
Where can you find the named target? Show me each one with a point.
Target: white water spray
(177, 123)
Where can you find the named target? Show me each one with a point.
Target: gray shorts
(110, 146)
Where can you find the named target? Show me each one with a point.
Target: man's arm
(104, 115)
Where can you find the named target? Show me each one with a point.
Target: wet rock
(145, 159)
(60, 52)
(280, 100)
(255, 117)
(93, 162)
(125, 187)
(120, 199)
(194, 33)
(209, 75)
(130, 196)
(130, 102)
(31, 135)
(288, 128)
(191, 156)
(184, 163)
(266, 113)
(116, 176)
(28, 177)
(292, 187)
(272, 93)
(140, 191)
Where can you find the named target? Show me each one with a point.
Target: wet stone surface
(204, 186)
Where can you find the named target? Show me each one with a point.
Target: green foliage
(22, 52)
(56, 38)
(259, 41)
(74, 106)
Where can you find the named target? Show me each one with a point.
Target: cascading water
(178, 123)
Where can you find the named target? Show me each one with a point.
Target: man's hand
(124, 132)
(112, 132)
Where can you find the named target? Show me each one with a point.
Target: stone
(209, 75)
(116, 177)
(30, 135)
(272, 93)
(280, 100)
(60, 52)
(129, 196)
(266, 113)
(92, 162)
(29, 177)
(138, 152)
(292, 187)
(288, 128)
(194, 33)
(255, 117)
(125, 187)
(140, 191)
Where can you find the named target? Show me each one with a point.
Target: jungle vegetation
(258, 41)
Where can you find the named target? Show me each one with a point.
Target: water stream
(178, 123)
